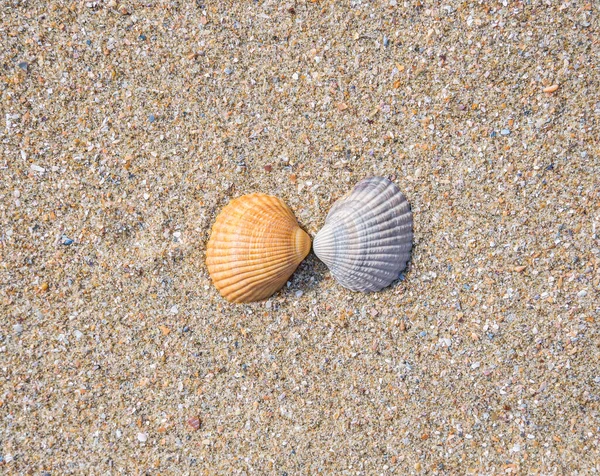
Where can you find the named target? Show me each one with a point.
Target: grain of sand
(126, 127)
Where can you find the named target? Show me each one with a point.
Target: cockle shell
(367, 237)
(254, 247)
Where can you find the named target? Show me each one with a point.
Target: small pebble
(18, 328)
(505, 132)
(23, 65)
(299, 293)
(142, 437)
(151, 118)
(65, 240)
(194, 422)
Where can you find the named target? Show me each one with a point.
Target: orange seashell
(255, 245)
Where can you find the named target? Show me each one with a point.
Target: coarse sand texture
(127, 127)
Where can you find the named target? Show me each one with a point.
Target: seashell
(254, 247)
(367, 237)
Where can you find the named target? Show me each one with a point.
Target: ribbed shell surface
(367, 237)
(254, 247)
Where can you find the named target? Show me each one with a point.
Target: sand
(126, 127)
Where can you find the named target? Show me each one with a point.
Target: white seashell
(367, 237)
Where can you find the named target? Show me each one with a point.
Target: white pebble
(142, 437)
(37, 168)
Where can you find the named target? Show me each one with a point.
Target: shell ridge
(372, 213)
(255, 272)
(242, 264)
(369, 186)
(255, 253)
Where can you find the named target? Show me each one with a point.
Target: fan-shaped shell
(254, 247)
(367, 236)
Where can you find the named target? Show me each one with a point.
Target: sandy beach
(125, 127)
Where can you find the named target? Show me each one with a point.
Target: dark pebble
(66, 240)
(88, 42)
(23, 65)
(268, 168)
(142, 37)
